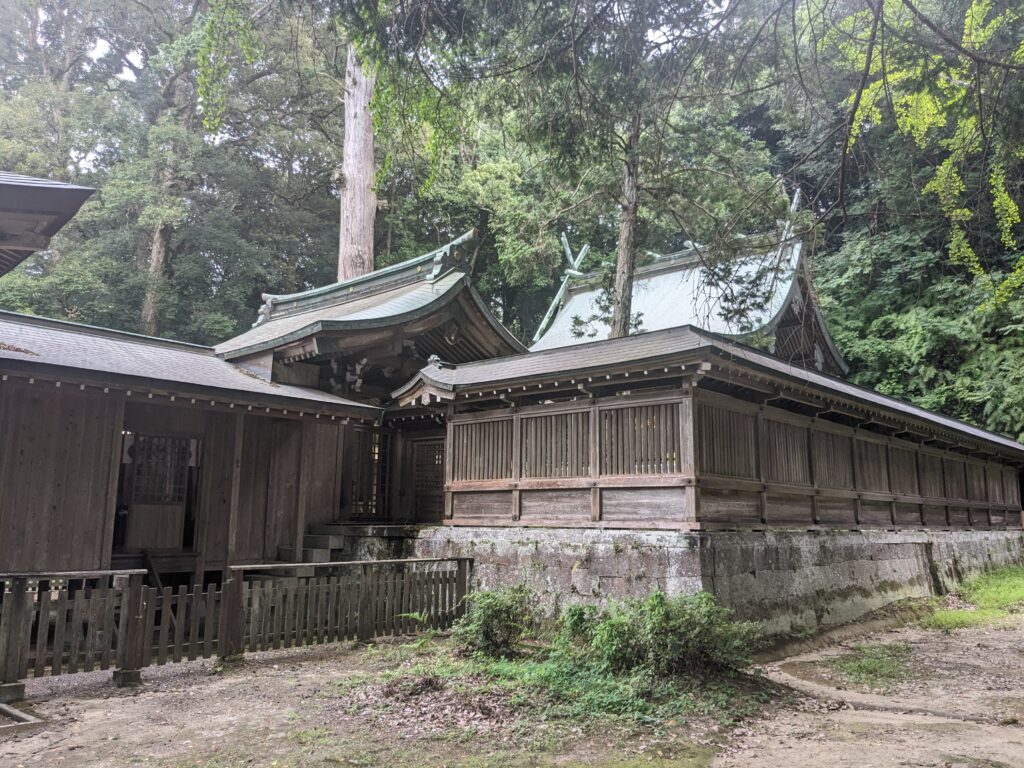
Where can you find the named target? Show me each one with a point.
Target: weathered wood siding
(618, 462)
(762, 466)
(57, 495)
(60, 457)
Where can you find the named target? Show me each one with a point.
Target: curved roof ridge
(359, 286)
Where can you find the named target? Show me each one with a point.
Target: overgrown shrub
(685, 634)
(496, 621)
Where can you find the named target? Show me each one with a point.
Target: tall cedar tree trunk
(625, 259)
(358, 199)
(157, 265)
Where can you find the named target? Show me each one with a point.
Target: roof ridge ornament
(266, 309)
(452, 255)
(575, 262)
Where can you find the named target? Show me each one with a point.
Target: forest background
(214, 133)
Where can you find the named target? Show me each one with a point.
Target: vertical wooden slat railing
(347, 600)
(62, 623)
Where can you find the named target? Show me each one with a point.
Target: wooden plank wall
(762, 466)
(291, 478)
(58, 451)
(617, 462)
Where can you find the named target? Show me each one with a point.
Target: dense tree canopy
(214, 133)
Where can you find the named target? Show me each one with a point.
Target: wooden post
(133, 636)
(595, 461)
(760, 444)
(366, 597)
(855, 455)
(688, 454)
(302, 502)
(920, 485)
(463, 585)
(15, 614)
(517, 462)
(812, 474)
(235, 499)
(232, 617)
(449, 448)
(891, 484)
(117, 446)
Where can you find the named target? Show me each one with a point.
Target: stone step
(323, 541)
(309, 555)
(328, 529)
(363, 529)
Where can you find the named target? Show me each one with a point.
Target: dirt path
(962, 705)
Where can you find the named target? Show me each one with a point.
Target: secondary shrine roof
(393, 296)
(678, 289)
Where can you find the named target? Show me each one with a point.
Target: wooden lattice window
(428, 468)
(161, 470)
(368, 489)
(482, 450)
(557, 445)
(640, 440)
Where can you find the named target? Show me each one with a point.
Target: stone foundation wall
(791, 581)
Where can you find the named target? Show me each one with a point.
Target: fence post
(232, 617)
(14, 636)
(129, 665)
(463, 583)
(365, 619)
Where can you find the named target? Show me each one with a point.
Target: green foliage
(1002, 589)
(644, 660)
(875, 666)
(950, 620)
(993, 595)
(664, 636)
(497, 621)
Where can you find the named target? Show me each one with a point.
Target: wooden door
(159, 494)
(428, 479)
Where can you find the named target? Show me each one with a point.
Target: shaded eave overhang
(724, 359)
(148, 389)
(316, 327)
(43, 207)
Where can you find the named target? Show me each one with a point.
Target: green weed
(997, 590)
(947, 620)
(994, 595)
(875, 666)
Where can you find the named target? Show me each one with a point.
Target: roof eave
(185, 390)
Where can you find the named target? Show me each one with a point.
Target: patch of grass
(948, 620)
(311, 737)
(994, 595)
(997, 590)
(874, 666)
(554, 686)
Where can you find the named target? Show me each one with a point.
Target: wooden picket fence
(63, 623)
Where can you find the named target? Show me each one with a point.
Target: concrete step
(323, 541)
(309, 555)
(363, 529)
(328, 529)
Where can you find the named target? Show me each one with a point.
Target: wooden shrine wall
(669, 460)
(58, 475)
(291, 477)
(763, 466)
(618, 462)
(60, 459)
